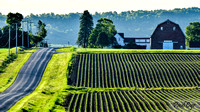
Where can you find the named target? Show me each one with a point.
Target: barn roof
(167, 22)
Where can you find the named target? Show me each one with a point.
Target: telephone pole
(9, 44)
(30, 26)
(22, 35)
(27, 33)
(16, 38)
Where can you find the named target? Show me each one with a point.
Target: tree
(86, 26)
(39, 26)
(103, 25)
(193, 32)
(102, 40)
(41, 34)
(14, 18)
(43, 31)
(35, 38)
(0, 33)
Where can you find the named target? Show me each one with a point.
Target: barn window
(161, 28)
(174, 28)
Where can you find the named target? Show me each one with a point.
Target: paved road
(27, 79)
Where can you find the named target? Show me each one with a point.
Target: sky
(26, 7)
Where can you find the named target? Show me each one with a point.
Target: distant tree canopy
(86, 26)
(104, 28)
(193, 32)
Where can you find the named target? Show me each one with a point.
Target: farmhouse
(142, 41)
(167, 35)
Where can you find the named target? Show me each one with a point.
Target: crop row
(136, 70)
(127, 101)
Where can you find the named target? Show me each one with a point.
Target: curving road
(27, 79)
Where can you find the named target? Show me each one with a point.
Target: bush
(133, 45)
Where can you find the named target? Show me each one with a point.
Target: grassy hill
(10, 68)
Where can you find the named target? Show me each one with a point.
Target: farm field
(114, 70)
(127, 82)
(133, 101)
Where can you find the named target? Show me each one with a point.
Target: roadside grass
(137, 50)
(67, 49)
(50, 93)
(4, 53)
(11, 70)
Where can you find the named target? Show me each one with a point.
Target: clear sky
(66, 6)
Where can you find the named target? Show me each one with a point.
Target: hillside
(64, 28)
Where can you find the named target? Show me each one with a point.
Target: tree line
(65, 27)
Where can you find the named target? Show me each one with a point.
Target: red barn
(167, 35)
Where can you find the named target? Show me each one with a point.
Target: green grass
(67, 49)
(76, 90)
(138, 50)
(12, 69)
(50, 93)
(4, 53)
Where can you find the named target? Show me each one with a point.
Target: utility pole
(28, 33)
(9, 44)
(22, 35)
(30, 26)
(16, 38)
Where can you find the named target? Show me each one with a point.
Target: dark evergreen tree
(86, 26)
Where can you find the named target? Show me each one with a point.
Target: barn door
(167, 45)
